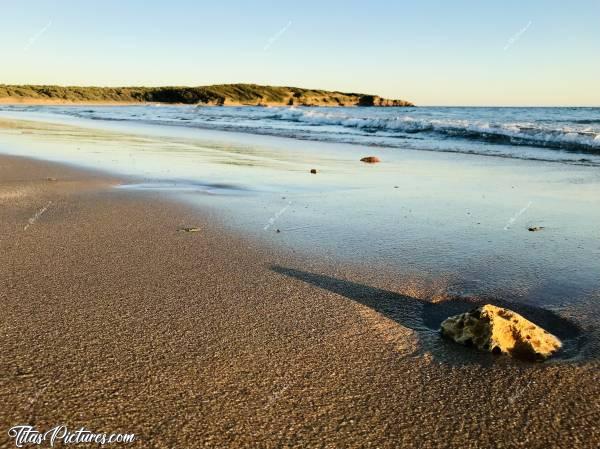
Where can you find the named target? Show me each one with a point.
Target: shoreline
(115, 320)
(14, 101)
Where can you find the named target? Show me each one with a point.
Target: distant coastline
(215, 95)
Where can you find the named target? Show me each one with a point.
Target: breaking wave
(565, 138)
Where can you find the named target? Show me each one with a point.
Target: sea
(561, 134)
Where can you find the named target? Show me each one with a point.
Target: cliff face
(375, 100)
(340, 99)
(223, 94)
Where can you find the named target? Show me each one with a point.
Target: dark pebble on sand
(188, 230)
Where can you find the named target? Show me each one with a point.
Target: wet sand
(113, 320)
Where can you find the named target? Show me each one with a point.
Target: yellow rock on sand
(497, 330)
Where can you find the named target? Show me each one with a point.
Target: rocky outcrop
(376, 100)
(214, 95)
(501, 331)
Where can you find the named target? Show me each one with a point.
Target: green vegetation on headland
(219, 95)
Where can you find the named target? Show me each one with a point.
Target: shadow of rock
(425, 317)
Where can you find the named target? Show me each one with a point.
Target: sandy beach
(326, 225)
(115, 320)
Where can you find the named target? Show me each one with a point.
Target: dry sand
(113, 320)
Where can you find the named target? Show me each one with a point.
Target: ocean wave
(587, 121)
(529, 134)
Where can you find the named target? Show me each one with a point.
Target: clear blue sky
(430, 52)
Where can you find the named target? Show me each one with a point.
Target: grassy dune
(219, 94)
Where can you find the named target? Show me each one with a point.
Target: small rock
(188, 230)
(313, 171)
(370, 159)
(535, 228)
(501, 331)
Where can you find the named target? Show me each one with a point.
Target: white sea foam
(512, 133)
